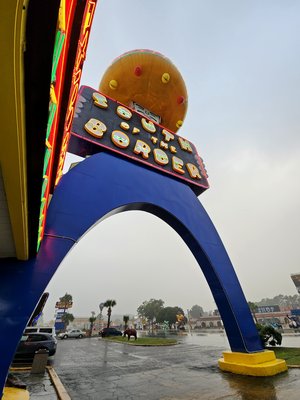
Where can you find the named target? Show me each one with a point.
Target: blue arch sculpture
(98, 187)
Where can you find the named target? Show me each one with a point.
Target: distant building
(206, 322)
(265, 315)
(80, 323)
(273, 318)
(84, 323)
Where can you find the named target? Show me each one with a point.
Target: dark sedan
(32, 342)
(110, 332)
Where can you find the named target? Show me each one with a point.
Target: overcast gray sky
(240, 61)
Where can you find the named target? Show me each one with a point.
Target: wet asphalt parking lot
(94, 369)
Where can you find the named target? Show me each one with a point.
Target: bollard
(39, 361)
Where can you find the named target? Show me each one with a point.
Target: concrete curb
(16, 369)
(59, 387)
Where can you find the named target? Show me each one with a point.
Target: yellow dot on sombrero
(113, 84)
(179, 123)
(165, 77)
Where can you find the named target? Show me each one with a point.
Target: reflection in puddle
(207, 339)
(251, 388)
(219, 339)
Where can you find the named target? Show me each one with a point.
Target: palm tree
(109, 304)
(92, 319)
(125, 319)
(66, 319)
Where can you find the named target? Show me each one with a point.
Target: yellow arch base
(255, 364)
(15, 394)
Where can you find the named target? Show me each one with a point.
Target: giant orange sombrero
(151, 80)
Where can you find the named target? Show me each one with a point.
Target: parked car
(40, 329)
(73, 333)
(110, 332)
(32, 342)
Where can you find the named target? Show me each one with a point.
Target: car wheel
(80, 336)
(65, 337)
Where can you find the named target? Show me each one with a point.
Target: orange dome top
(150, 80)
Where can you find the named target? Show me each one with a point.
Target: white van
(42, 329)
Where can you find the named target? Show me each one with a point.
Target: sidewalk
(45, 386)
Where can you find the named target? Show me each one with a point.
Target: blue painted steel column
(22, 283)
(105, 184)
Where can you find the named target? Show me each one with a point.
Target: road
(95, 369)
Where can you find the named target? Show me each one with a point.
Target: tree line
(153, 310)
(281, 300)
